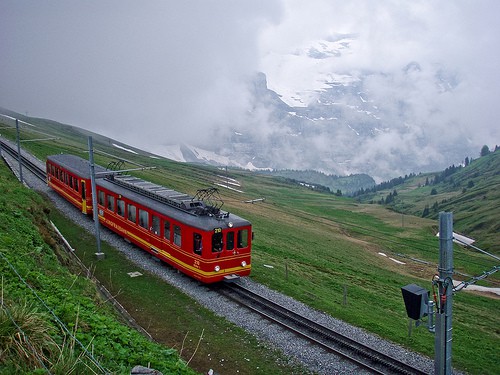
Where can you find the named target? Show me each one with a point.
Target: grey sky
(164, 71)
(129, 66)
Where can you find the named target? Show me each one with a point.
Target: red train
(195, 237)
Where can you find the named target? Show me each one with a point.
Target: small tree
(485, 150)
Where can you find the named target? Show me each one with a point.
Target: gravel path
(296, 349)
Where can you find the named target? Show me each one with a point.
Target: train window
(155, 225)
(132, 213)
(243, 238)
(71, 182)
(217, 242)
(143, 218)
(177, 235)
(111, 203)
(197, 243)
(100, 197)
(166, 232)
(230, 241)
(77, 183)
(120, 207)
(66, 178)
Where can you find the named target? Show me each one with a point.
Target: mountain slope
(471, 192)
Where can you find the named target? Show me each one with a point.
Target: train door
(84, 198)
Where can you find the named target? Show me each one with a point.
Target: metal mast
(443, 338)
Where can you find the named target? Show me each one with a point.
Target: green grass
(174, 318)
(321, 245)
(29, 264)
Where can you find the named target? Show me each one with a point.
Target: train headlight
(230, 224)
(217, 268)
(243, 264)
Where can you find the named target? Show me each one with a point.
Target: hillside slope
(471, 192)
(60, 314)
(315, 247)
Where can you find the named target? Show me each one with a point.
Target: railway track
(365, 357)
(27, 163)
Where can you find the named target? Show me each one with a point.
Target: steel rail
(32, 167)
(354, 351)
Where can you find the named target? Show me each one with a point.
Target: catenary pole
(95, 209)
(443, 337)
(19, 152)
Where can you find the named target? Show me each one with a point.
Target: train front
(230, 248)
(223, 244)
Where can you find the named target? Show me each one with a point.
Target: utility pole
(443, 337)
(95, 209)
(19, 152)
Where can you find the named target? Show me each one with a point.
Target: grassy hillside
(51, 318)
(316, 246)
(322, 182)
(472, 193)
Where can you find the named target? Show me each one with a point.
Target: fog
(164, 72)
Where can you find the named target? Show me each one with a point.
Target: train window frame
(197, 243)
(155, 224)
(132, 213)
(110, 202)
(230, 240)
(242, 239)
(143, 218)
(167, 231)
(120, 207)
(177, 235)
(100, 198)
(217, 241)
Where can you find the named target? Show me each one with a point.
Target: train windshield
(217, 242)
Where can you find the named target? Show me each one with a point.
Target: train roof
(178, 206)
(204, 222)
(75, 164)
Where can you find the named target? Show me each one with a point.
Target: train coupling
(231, 278)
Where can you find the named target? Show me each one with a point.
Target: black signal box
(416, 299)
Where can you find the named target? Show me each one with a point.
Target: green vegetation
(321, 245)
(50, 318)
(470, 192)
(314, 180)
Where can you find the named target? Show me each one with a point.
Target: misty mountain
(337, 121)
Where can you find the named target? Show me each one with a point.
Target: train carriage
(69, 175)
(201, 241)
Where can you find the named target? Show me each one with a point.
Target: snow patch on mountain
(300, 75)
